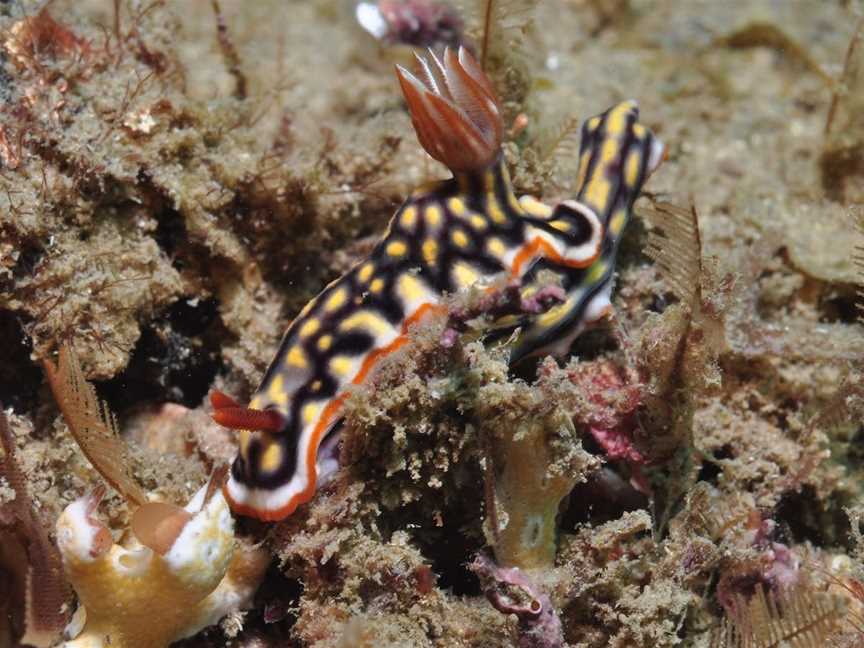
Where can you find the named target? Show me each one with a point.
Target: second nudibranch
(466, 231)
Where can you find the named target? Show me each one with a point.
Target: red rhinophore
(454, 110)
(228, 413)
(220, 400)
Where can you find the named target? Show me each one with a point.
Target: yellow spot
(315, 386)
(256, 402)
(617, 119)
(556, 313)
(609, 151)
(494, 209)
(560, 225)
(616, 223)
(430, 251)
(534, 207)
(596, 272)
(457, 206)
(309, 413)
(272, 457)
(593, 123)
(276, 390)
(432, 215)
(464, 275)
(366, 271)
(296, 357)
(245, 440)
(459, 238)
(309, 327)
(409, 217)
(496, 247)
(478, 222)
(631, 169)
(341, 365)
(396, 248)
(410, 288)
(639, 131)
(376, 285)
(325, 342)
(336, 299)
(598, 193)
(367, 321)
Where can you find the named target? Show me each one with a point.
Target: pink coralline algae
(611, 417)
(511, 591)
(776, 566)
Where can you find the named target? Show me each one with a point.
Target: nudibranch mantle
(135, 597)
(462, 232)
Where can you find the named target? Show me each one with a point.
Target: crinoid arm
(454, 110)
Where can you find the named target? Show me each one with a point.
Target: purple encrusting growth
(511, 591)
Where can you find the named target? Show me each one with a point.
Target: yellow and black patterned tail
(616, 156)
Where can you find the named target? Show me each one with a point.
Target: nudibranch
(177, 575)
(466, 231)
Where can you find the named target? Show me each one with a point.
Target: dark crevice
(710, 469)
(448, 548)
(606, 496)
(20, 378)
(29, 256)
(170, 232)
(176, 358)
(803, 517)
(449, 552)
(593, 344)
(839, 308)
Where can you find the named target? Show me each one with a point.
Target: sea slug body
(466, 231)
